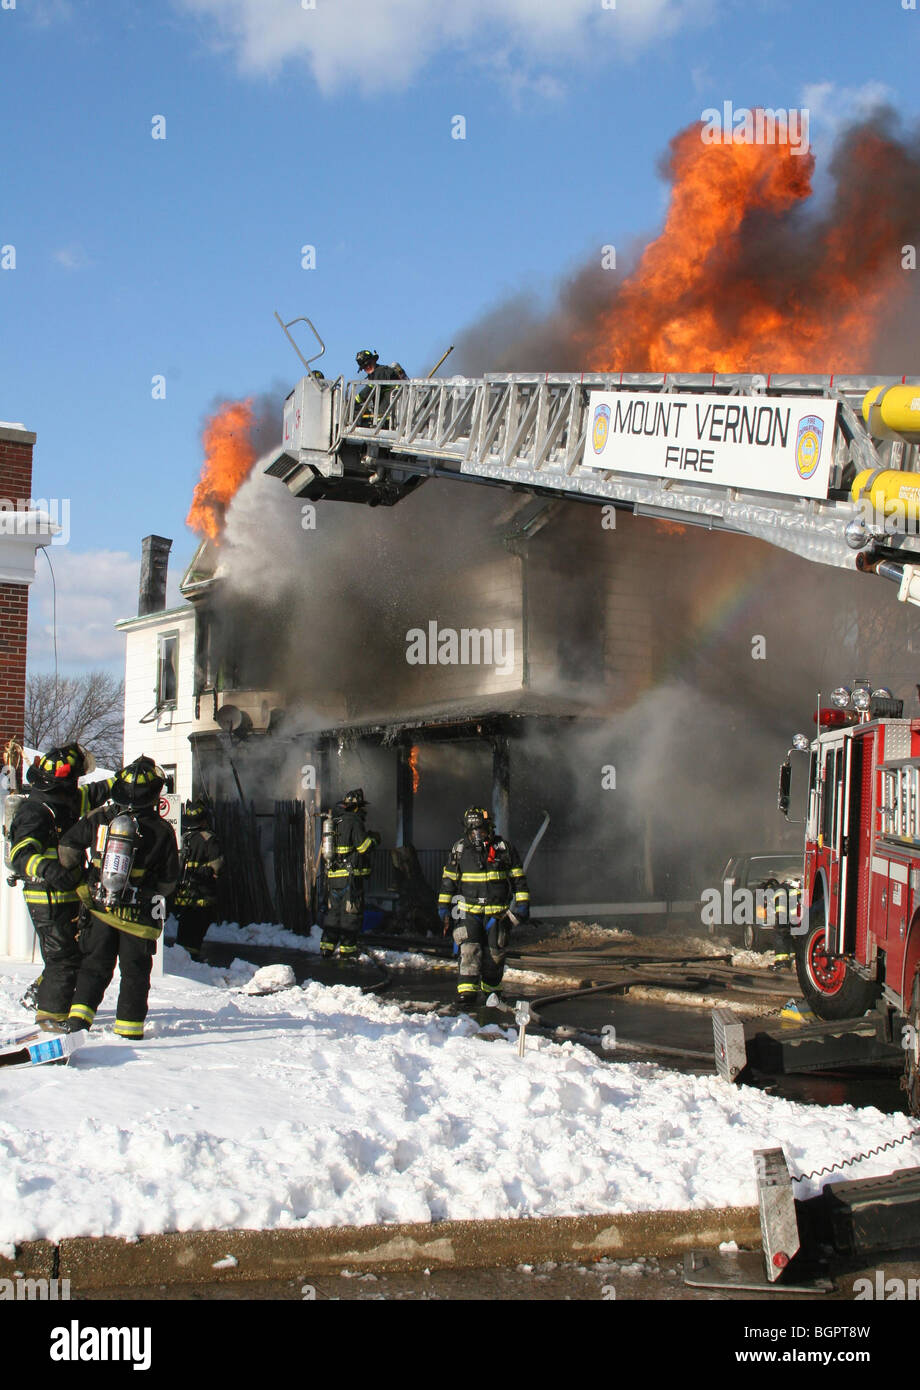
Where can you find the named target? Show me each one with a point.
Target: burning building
(517, 643)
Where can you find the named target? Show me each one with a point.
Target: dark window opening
(167, 671)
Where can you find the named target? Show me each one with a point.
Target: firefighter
(485, 870)
(200, 863)
(348, 866)
(55, 803)
(368, 362)
(134, 867)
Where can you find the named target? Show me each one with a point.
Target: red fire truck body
(859, 939)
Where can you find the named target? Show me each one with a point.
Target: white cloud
(71, 257)
(94, 589)
(379, 46)
(832, 107)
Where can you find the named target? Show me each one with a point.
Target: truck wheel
(911, 1080)
(749, 937)
(830, 986)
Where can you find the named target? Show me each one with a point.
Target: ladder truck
(857, 943)
(825, 467)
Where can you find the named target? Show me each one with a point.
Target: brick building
(23, 531)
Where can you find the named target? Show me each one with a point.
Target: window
(898, 810)
(169, 771)
(829, 808)
(167, 670)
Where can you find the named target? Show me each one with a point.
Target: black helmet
(478, 824)
(139, 784)
(354, 800)
(196, 813)
(366, 358)
(62, 767)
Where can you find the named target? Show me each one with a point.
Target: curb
(204, 1257)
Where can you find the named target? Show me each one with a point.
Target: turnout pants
(343, 921)
(193, 927)
(57, 936)
(106, 945)
(483, 942)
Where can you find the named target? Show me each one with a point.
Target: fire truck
(857, 944)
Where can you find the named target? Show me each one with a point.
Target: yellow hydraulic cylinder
(890, 494)
(893, 412)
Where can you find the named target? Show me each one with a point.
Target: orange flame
(703, 299)
(228, 456)
(413, 767)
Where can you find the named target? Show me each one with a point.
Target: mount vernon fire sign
(780, 444)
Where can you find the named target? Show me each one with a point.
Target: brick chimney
(154, 561)
(19, 539)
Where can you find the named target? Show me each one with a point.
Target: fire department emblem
(808, 445)
(601, 428)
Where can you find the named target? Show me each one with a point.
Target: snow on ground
(321, 1106)
(756, 1008)
(407, 960)
(575, 932)
(263, 934)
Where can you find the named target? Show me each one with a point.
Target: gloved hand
(59, 879)
(521, 911)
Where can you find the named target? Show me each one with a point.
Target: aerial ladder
(587, 436)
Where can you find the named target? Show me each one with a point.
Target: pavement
(227, 1257)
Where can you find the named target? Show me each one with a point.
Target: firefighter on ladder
(54, 804)
(347, 847)
(368, 362)
(485, 871)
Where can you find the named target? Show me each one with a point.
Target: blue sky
(330, 125)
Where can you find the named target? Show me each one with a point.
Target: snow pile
(407, 960)
(321, 1106)
(753, 960)
(271, 979)
(264, 934)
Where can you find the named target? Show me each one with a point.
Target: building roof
(155, 619)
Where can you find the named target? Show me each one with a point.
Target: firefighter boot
(467, 997)
(348, 953)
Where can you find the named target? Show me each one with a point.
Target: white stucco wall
(164, 736)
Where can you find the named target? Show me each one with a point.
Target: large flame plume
(750, 272)
(229, 453)
(706, 295)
